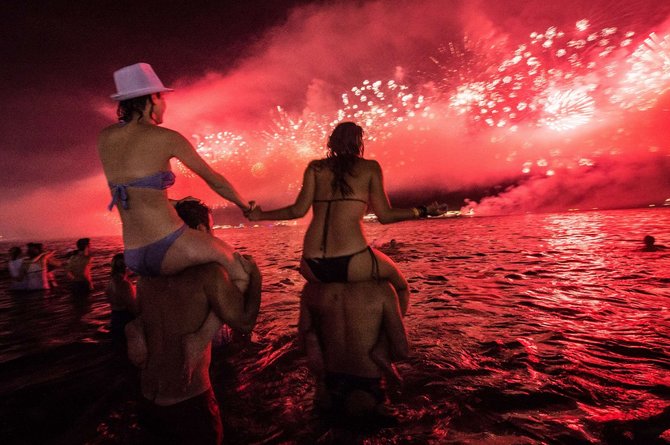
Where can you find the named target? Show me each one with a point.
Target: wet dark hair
(127, 108)
(345, 146)
(83, 243)
(118, 264)
(193, 213)
(649, 240)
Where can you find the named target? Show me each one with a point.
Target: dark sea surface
(549, 328)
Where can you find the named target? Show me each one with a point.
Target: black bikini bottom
(336, 269)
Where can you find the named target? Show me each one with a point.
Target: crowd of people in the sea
(36, 269)
(190, 282)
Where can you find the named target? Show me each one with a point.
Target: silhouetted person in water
(650, 244)
(79, 269)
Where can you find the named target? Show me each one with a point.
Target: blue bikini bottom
(147, 260)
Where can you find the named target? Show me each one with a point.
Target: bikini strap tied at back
(158, 181)
(119, 194)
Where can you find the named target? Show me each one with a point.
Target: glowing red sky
(232, 68)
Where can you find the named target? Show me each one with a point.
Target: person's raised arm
(382, 207)
(184, 151)
(394, 328)
(127, 294)
(237, 310)
(296, 210)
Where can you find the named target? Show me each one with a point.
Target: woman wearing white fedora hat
(135, 156)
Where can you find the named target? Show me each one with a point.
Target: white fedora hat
(135, 81)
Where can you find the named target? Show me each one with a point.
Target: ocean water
(548, 328)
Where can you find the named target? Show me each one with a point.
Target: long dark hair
(345, 146)
(127, 108)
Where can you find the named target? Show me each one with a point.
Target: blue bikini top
(157, 181)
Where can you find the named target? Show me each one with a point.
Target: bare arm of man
(394, 329)
(237, 310)
(308, 340)
(304, 324)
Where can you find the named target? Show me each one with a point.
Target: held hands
(255, 213)
(247, 210)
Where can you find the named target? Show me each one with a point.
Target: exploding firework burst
(565, 110)
(648, 76)
(549, 81)
(301, 137)
(379, 107)
(559, 79)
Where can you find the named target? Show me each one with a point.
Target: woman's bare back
(345, 213)
(133, 151)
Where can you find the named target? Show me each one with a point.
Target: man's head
(82, 244)
(195, 214)
(14, 252)
(34, 249)
(649, 241)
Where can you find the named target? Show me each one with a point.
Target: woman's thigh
(362, 268)
(194, 247)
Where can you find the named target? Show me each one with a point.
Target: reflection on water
(525, 329)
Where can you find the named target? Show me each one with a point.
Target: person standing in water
(120, 293)
(15, 268)
(135, 155)
(36, 266)
(78, 269)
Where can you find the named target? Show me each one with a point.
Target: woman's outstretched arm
(184, 151)
(382, 207)
(296, 210)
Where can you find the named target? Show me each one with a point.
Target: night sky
(233, 63)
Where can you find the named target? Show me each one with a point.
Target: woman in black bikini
(340, 188)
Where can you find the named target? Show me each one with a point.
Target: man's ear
(202, 228)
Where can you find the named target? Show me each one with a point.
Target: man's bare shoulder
(195, 275)
(210, 272)
(366, 292)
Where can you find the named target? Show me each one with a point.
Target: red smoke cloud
(307, 64)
